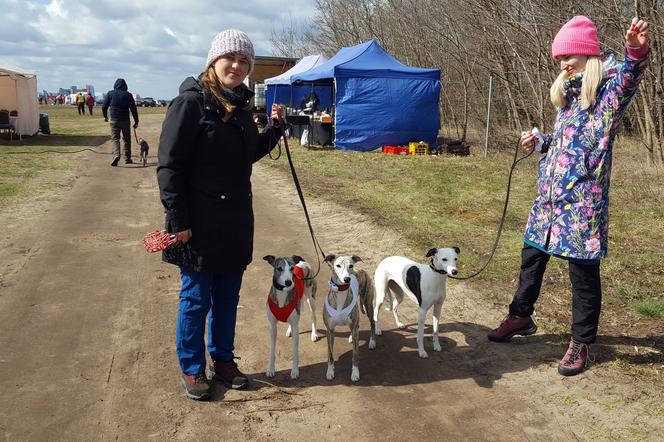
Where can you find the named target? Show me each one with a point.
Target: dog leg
(312, 308)
(395, 307)
(289, 332)
(330, 358)
(355, 372)
(370, 315)
(437, 307)
(272, 331)
(378, 302)
(294, 321)
(421, 316)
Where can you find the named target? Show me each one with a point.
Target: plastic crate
(418, 148)
(395, 150)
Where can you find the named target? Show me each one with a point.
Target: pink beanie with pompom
(577, 37)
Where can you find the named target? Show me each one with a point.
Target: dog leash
(276, 124)
(502, 218)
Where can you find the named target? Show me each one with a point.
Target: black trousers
(117, 128)
(586, 292)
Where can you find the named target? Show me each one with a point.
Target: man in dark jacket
(121, 102)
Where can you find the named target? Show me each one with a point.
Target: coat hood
(120, 84)
(191, 84)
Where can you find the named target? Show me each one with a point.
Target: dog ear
(269, 258)
(431, 252)
(356, 258)
(297, 258)
(457, 250)
(330, 258)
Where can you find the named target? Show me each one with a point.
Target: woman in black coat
(207, 147)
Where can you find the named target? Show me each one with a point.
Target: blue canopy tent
(279, 89)
(378, 100)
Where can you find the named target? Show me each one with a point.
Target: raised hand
(637, 34)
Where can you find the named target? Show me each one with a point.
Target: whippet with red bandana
(350, 291)
(424, 284)
(291, 283)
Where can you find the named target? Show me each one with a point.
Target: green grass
(651, 309)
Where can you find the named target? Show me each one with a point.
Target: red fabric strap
(282, 313)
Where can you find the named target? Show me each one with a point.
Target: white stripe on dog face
(283, 271)
(342, 268)
(446, 259)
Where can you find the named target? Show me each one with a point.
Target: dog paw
(378, 331)
(295, 373)
(350, 339)
(372, 343)
(269, 373)
(437, 347)
(289, 333)
(401, 325)
(355, 374)
(330, 373)
(314, 336)
(423, 354)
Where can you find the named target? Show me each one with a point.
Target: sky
(152, 44)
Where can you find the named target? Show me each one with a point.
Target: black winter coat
(121, 102)
(204, 173)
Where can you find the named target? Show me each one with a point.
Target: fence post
(488, 117)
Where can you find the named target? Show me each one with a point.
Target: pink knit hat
(231, 40)
(577, 37)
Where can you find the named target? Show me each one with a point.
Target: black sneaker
(228, 373)
(115, 161)
(196, 386)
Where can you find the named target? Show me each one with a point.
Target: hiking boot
(513, 325)
(575, 360)
(228, 373)
(196, 386)
(115, 161)
(129, 161)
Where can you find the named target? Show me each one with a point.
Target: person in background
(90, 101)
(80, 103)
(207, 147)
(569, 218)
(121, 103)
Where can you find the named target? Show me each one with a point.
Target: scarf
(237, 96)
(572, 86)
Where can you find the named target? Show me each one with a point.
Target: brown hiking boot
(228, 373)
(513, 325)
(575, 360)
(196, 386)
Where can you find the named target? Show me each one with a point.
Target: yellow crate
(418, 148)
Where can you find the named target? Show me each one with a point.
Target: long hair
(592, 76)
(212, 83)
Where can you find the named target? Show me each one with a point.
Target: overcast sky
(152, 44)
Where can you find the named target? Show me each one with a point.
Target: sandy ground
(88, 321)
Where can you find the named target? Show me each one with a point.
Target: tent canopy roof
(9, 72)
(308, 62)
(367, 59)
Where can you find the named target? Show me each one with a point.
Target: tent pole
(488, 117)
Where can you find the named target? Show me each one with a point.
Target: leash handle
(502, 218)
(136, 136)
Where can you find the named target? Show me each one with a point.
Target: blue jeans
(202, 293)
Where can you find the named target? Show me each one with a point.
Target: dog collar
(339, 287)
(442, 272)
(278, 286)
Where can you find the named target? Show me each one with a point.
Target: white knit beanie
(231, 40)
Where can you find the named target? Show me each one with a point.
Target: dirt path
(88, 322)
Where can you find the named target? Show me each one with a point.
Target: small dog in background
(291, 284)
(424, 284)
(144, 151)
(350, 291)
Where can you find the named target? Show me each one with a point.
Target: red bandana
(282, 313)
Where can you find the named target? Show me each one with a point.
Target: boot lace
(575, 352)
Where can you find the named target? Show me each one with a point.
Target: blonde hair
(592, 76)
(211, 81)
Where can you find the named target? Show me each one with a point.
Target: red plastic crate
(395, 150)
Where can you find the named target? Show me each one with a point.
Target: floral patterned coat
(572, 203)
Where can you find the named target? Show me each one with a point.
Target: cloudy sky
(153, 44)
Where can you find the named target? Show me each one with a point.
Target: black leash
(502, 218)
(296, 181)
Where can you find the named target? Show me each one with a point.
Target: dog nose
(288, 283)
(347, 279)
(454, 271)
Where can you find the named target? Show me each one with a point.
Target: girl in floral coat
(569, 218)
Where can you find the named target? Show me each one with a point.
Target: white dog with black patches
(424, 284)
(291, 284)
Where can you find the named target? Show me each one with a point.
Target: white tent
(18, 91)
